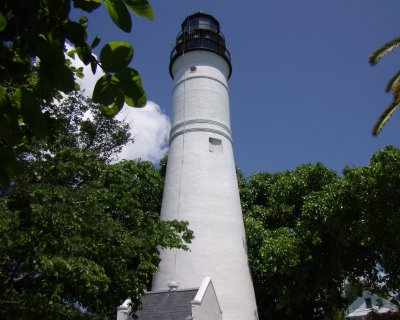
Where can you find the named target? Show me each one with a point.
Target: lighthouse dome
(200, 31)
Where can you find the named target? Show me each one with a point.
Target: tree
(282, 268)
(311, 232)
(79, 235)
(78, 122)
(393, 86)
(33, 36)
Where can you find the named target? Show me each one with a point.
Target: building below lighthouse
(212, 280)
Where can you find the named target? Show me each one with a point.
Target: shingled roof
(166, 305)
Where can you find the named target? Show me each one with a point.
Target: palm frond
(388, 47)
(385, 116)
(393, 82)
(396, 90)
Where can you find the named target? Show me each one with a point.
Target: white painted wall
(205, 305)
(123, 311)
(201, 187)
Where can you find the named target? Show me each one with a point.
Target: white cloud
(150, 129)
(149, 126)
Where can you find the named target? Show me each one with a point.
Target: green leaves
(141, 8)
(131, 84)
(312, 228)
(382, 51)
(3, 22)
(31, 112)
(63, 78)
(125, 86)
(78, 233)
(11, 134)
(116, 55)
(34, 61)
(111, 91)
(119, 14)
(85, 53)
(87, 5)
(9, 128)
(393, 85)
(53, 71)
(108, 93)
(95, 42)
(384, 117)
(75, 33)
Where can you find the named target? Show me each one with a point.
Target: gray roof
(165, 305)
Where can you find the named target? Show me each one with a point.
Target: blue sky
(301, 89)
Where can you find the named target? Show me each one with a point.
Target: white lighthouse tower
(201, 185)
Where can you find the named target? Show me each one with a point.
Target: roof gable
(361, 309)
(166, 305)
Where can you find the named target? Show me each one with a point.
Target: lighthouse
(212, 280)
(201, 184)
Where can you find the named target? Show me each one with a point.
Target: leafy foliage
(78, 122)
(79, 235)
(393, 85)
(310, 232)
(33, 35)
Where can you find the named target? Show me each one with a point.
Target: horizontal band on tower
(198, 77)
(172, 137)
(194, 121)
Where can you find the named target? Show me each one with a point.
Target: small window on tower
(215, 145)
(192, 69)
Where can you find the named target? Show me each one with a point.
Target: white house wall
(206, 307)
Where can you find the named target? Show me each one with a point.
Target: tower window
(192, 69)
(215, 145)
(368, 302)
